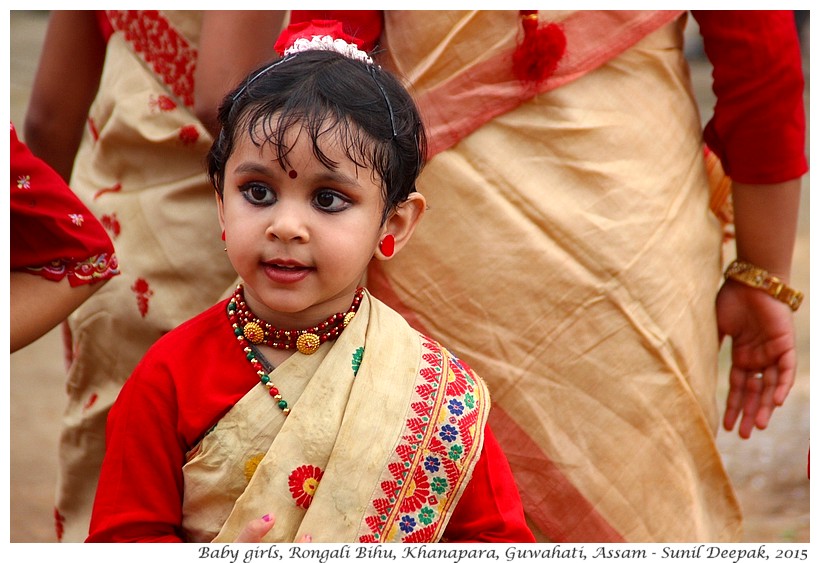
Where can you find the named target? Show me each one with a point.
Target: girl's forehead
(329, 139)
(296, 148)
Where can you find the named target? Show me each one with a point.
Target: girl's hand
(762, 333)
(255, 530)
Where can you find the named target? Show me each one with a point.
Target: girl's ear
(402, 222)
(220, 211)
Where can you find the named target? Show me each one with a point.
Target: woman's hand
(763, 342)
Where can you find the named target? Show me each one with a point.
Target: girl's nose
(288, 223)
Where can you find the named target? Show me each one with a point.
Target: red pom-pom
(536, 57)
(308, 29)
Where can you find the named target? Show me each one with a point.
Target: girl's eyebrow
(252, 168)
(338, 178)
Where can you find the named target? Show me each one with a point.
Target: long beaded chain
(248, 327)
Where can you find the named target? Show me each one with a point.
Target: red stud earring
(387, 245)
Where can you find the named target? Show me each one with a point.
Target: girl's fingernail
(266, 518)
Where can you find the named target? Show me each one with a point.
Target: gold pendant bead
(308, 343)
(348, 317)
(254, 333)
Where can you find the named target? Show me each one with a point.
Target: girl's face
(300, 237)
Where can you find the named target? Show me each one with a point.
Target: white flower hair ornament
(324, 35)
(328, 43)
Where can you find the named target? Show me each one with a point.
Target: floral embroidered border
(432, 461)
(79, 272)
(166, 51)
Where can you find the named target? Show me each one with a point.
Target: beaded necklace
(248, 327)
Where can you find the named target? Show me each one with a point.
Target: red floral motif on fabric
(303, 482)
(430, 462)
(24, 182)
(418, 494)
(163, 103)
(144, 294)
(90, 402)
(92, 128)
(94, 268)
(165, 50)
(113, 189)
(111, 224)
(188, 134)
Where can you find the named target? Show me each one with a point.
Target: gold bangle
(759, 278)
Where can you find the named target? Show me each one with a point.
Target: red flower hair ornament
(326, 35)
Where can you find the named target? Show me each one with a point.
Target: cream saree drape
(140, 170)
(352, 461)
(570, 254)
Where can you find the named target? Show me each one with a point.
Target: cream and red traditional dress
(140, 169)
(385, 442)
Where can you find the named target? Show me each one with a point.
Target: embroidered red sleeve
(53, 234)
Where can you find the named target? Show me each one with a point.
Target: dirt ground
(769, 470)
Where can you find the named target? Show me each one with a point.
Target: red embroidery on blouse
(144, 294)
(162, 47)
(94, 268)
(24, 182)
(115, 188)
(188, 134)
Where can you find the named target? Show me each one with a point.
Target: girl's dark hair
(327, 93)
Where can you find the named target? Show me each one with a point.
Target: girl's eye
(330, 201)
(258, 194)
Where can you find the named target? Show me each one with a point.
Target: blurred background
(769, 470)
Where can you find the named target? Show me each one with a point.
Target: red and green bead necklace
(248, 327)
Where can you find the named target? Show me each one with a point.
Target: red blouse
(758, 129)
(186, 382)
(53, 234)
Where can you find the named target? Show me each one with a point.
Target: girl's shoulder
(195, 335)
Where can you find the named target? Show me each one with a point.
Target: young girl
(301, 408)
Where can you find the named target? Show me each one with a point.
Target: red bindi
(293, 174)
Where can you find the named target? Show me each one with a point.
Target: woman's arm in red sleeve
(490, 509)
(139, 496)
(758, 126)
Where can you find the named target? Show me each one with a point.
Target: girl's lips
(286, 273)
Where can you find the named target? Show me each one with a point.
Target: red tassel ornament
(537, 55)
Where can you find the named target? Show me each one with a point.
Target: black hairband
(258, 74)
(372, 70)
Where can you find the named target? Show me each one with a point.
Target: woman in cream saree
(571, 254)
